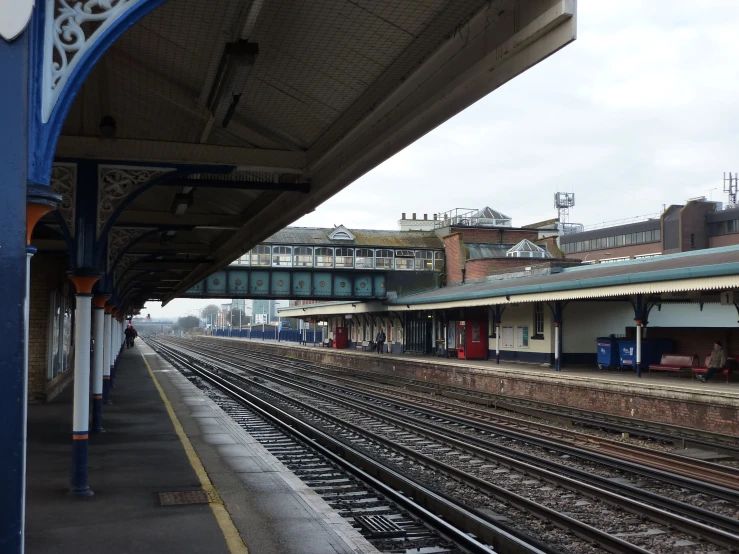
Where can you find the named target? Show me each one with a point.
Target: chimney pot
(435, 217)
(414, 215)
(403, 216)
(425, 216)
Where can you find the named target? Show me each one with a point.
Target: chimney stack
(435, 217)
(425, 217)
(403, 216)
(414, 215)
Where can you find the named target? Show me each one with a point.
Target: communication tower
(730, 187)
(563, 201)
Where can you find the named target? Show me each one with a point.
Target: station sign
(727, 298)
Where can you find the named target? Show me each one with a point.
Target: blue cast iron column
(107, 352)
(13, 263)
(98, 330)
(81, 418)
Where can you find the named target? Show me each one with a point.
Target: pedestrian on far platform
(380, 340)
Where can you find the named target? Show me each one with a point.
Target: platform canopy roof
(258, 111)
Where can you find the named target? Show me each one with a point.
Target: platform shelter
(554, 315)
(146, 144)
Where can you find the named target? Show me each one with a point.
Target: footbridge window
(303, 256)
(424, 260)
(345, 257)
(365, 258)
(384, 259)
(282, 256)
(324, 257)
(260, 255)
(404, 260)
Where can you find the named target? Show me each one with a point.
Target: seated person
(717, 362)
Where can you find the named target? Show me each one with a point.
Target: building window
(365, 258)
(303, 256)
(260, 255)
(538, 320)
(61, 352)
(345, 257)
(282, 256)
(384, 259)
(404, 260)
(424, 260)
(324, 257)
(439, 261)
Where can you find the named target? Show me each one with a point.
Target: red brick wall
(495, 236)
(477, 269)
(455, 253)
(723, 240)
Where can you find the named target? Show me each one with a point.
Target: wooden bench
(674, 363)
(730, 361)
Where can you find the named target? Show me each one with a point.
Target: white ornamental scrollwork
(119, 240)
(72, 27)
(64, 182)
(116, 183)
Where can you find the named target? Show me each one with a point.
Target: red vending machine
(473, 340)
(340, 337)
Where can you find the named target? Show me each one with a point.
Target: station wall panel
(217, 282)
(259, 283)
(343, 285)
(379, 289)
(322, 284)
(238, 281)
(280, 283)
(302, 283)
(363, 286)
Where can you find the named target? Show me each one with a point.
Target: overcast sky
(640, 111)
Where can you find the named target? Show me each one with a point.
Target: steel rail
(622, 424)
(580, 481)
(581, 529)
(452, 520)
(662, 474)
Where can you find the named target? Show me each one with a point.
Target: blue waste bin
(607, 352)
(651, 351)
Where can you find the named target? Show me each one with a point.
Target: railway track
(426, 437)
(682, 437)
(720, 475)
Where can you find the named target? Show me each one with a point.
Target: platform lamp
(236, 64)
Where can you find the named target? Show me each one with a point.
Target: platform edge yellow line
(233, 539)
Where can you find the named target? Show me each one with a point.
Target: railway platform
(162, 436)
(671, 400)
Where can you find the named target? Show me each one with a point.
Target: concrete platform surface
(141, 455)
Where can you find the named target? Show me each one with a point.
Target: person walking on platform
(380, 340)
(130, 335)
(717, 362)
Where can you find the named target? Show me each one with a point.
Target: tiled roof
(578, 277)
(364, 237)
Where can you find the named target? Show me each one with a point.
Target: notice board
(507, 337)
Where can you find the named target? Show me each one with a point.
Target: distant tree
(211, 310)
(187, 323)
